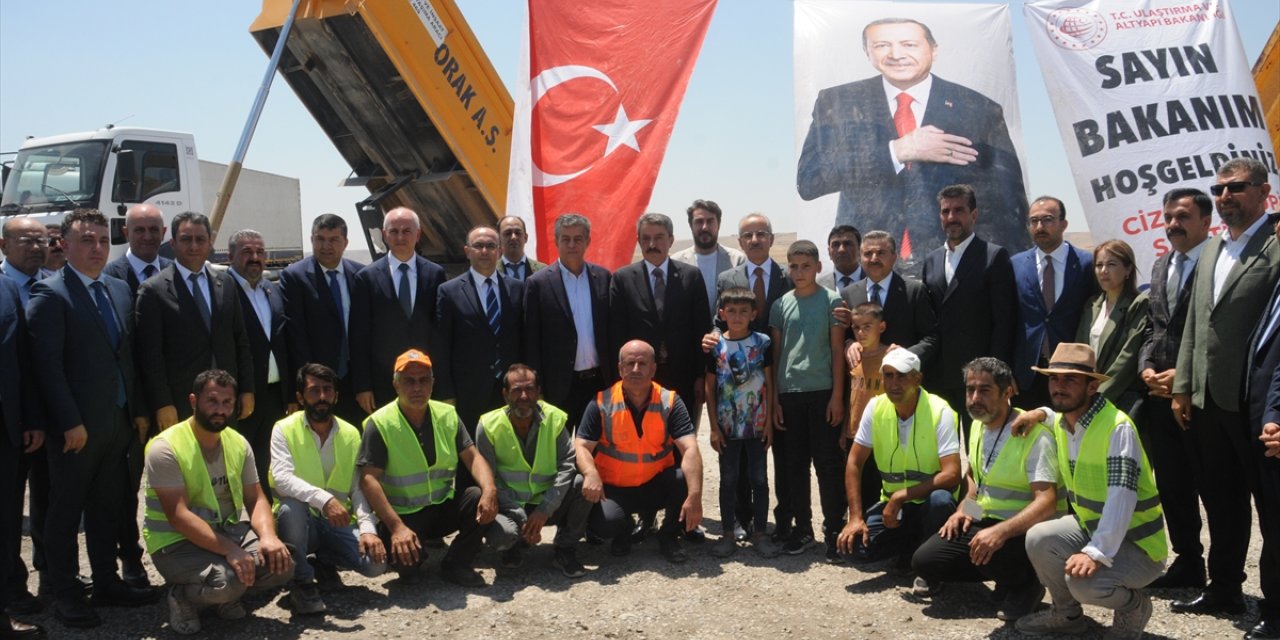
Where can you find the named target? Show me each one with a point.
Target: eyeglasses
(484, 246)
(753, 235)
(1041, 222)
(1233, 187)
(32, 242)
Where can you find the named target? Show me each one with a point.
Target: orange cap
(412, 356)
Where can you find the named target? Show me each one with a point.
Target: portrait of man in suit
(888, 143)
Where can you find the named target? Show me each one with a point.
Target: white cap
(901, 360)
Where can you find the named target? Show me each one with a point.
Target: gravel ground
(642, 596)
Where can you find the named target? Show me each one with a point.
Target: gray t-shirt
(163, 472)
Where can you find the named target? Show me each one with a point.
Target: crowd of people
(1033, 420)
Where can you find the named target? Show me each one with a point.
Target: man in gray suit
(707, 254)
(1230, 291)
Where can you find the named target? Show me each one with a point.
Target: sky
(68, 66)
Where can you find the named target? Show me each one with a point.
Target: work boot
(1126, 625)
(566, 560)
(184, 618)
(306, 600)
(1017, 603)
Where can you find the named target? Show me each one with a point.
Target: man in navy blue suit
(1054, 280)
(144, 228)
(81, 324)
(479, 330)
(393, 309)
(20, 431)
(888, 143)
(1262, 398)
(317, 308)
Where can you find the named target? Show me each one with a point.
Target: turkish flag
(604, 85)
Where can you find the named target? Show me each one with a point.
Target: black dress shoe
(696, 535)
(1211, 602)
(1182, 574)
(1265, 630)
(644, 528)
(134, 574)
(75, 613)
(13, 629)
(120, 594)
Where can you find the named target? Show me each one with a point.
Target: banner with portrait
(895, 101)
(1150, 95)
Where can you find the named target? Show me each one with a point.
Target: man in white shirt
(322, 509)
(1113, 545)
(919, 465)
(707, 254)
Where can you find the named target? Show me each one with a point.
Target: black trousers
(811, 440)
(611, 517)
(10, 520)
(1267, 498)
(583, 388)
(268, 408)
(942, 560)
(32, 471)
(130, 537)
(1219, 437)
(346, 407)
(91, 484)
(439, 520)
(1174, 459)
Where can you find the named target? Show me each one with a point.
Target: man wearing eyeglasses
(1053, 280)
(25, 245)
(1238, 269)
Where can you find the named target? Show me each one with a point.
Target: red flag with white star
(605, 81)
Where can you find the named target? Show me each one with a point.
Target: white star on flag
(621, 131)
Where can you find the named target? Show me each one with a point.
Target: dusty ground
(642, 596)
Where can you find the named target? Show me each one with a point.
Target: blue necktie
(335, 291)
(148, 271)
(491, 309)
(406, 299)
(113, 331)
(845, 281)
(875, 293)
(202, 305)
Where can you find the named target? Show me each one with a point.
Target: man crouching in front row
(200, 477)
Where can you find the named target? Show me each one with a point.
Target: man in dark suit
(664, 303)
(1188, 214)
(21, 431)
(843, 247)
(263, 309)
(393, 309)
(889, 142)
(515, 264)
(479, 330)
(766, 279)
(190, 315)
(80, 324)
(317, 304)
(25, 243)
(566, 322)
(1228, 295)
(144, 228)
(1049, 308)
(909, 320)
(970, 284)
(1263, 400)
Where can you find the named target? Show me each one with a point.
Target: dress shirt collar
(479, 278)
(186, 273)
(17, 276)
(565, 270)
(86, 280)
(1058, 255)
(964, 244)
(1248, 233)
(665, 265)
(767, 265)
(1193, 255)
(248, 287)
(138, 264)
(884, 284)
(325, 270)
(919, 93)
(394, 263)
(522, 261)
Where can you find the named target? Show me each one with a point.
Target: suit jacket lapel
(1114, 320)
(1252, 250)
(181, 292)
(321, 282)
(558, 291)
(472, 295)
(80, 297)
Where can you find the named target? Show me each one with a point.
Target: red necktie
(903, 120)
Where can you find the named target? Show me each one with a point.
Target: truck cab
(109, 169)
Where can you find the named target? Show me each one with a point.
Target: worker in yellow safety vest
(320, 508)
(1113, 545)
(200, 478)
(1012, 486)
(530, 449)
(408, 461)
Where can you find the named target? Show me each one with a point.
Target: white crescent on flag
(547, 80)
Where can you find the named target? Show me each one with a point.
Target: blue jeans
(731, 454)
(916, 521)
(306, 532)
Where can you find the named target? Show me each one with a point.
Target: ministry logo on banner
(1149, 96)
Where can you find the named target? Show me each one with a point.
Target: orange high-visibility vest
(624, 457)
